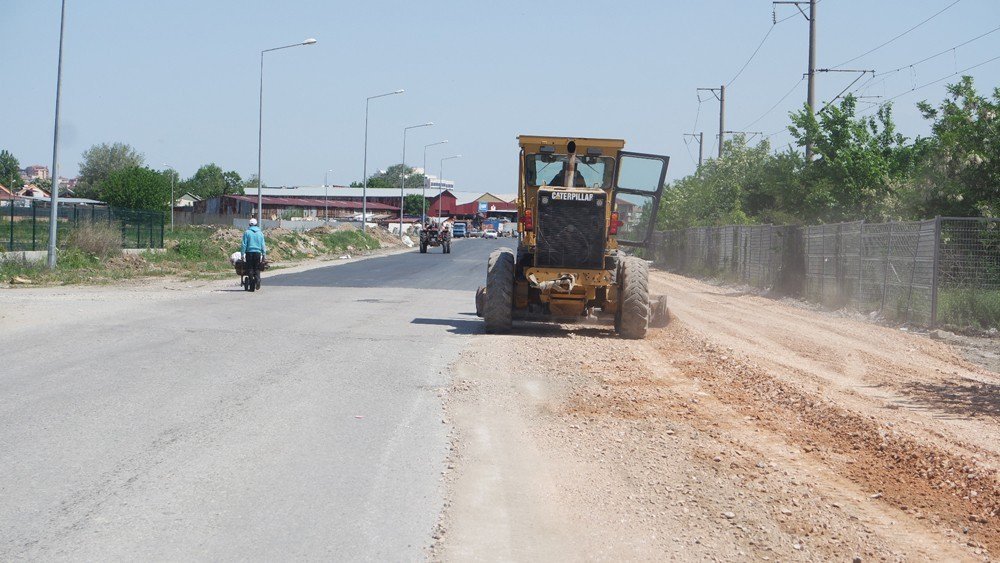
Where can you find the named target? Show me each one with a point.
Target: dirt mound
(387, 239)
(327, 229)
(126, 262)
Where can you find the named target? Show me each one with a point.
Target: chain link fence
(754, 255)
(944, 271)
(24, 224)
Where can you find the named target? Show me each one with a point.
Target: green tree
(137, 188)
(412, 204)
(390, 178)
(10, 170)
(234, 184)
(860, 163)
(961, 170)
(208, 181)
(250, 184)
(100, 161)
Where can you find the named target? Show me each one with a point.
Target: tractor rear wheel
(632, 320)
(498, 308)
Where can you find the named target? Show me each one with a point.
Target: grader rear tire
(498, 306)
(633, 300)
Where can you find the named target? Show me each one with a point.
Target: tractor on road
(435, 235)
(581, 202)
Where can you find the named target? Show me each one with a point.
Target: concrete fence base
(41, 255)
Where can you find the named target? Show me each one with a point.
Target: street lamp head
(310, 41)
(399, 91)
(428, 123)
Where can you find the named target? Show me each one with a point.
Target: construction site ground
(749, 428)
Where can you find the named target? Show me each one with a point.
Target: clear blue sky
(178, 80)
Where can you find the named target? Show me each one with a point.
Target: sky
(179, 79)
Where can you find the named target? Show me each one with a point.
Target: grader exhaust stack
(581, 202)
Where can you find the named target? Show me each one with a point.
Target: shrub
(96, 239)
(969, 308)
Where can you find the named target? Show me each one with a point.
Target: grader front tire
(498, 306)
(633, 304)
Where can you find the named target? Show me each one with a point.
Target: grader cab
(581, 202)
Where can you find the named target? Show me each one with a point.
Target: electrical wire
(931, 83)
(870, 51)
(778, 103)
(755, 51)
(910, 66)
(687, 145)
(936, 55)
(943, 78)
(759, 45)
(697, 114)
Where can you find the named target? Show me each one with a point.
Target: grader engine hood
(571, 229)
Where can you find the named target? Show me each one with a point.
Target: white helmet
(253, 222)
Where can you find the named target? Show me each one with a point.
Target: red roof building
(246, 205)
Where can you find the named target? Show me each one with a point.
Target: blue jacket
(253, 241)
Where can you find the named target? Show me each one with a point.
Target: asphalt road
(302, 421)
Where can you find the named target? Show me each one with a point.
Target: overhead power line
(943, 78)
(911, 66)
(936, 55)
(755, 51)
(872, 50)
(931, 83)
(778, 103)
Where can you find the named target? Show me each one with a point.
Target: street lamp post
(441, 181)
(173, 201)
(260, 126)
(364, 177)
(402, 175)
(423, 202)
(326, 196)
(54, 195)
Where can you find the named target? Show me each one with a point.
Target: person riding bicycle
(254, 250)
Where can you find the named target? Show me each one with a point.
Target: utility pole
(720, 94)
(811, 94)
(700, 137)
(54, 194)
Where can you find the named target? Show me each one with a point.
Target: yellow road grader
(581, 202)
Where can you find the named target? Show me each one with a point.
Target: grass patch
(969, 308)
(102, 240)
(190, 252)
(346, 241)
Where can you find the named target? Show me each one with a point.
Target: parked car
(458, 230)
(490, 234)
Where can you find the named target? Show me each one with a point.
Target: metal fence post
(12, 202)
(885, 270)
(913, 271)
(934, 270)
(34, 222)
(861, 264)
